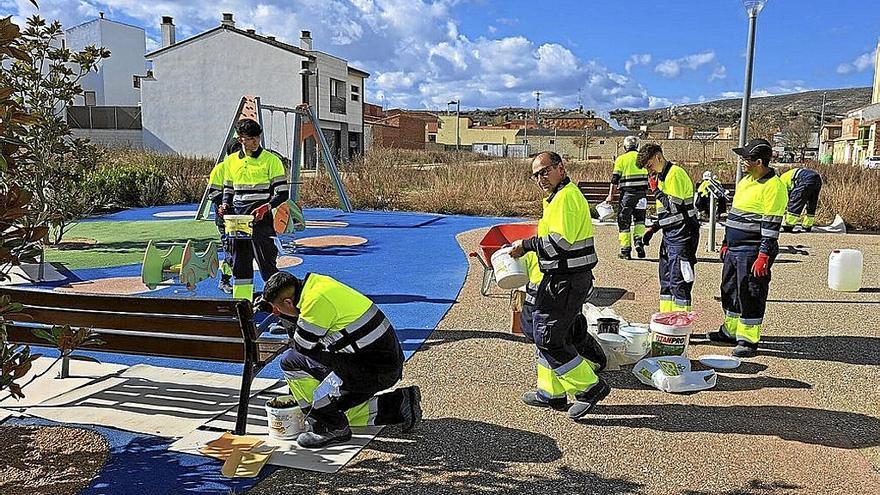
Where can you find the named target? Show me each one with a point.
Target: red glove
(221, 210)
(261, 211)
(761, 267)
(723, 251)
(646, 239)
(652, 182)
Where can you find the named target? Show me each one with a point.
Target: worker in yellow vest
(677, 218)
(566, 257)
(632, 184)
(215, 196)
(804, 186)
(344, 351)
(255, 183)
(751, 243)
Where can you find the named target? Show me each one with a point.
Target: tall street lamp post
(457, 104)
(753, 8)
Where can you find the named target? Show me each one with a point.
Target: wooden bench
(190, 328)
(596, 192)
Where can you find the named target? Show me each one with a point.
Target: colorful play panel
(410, 264)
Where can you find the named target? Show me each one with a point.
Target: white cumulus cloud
(860, 64)
(671, 68)
(636, 59)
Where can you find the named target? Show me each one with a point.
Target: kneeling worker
(341, 331)
(677, 218)
(566, 257)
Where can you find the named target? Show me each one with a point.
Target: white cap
(707, 175)
(631, 143)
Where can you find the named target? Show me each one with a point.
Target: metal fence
(104, 117)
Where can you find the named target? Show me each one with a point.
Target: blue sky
(629, 54)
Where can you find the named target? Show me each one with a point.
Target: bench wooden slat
(172, 324)
(150, 346)
(123, 304)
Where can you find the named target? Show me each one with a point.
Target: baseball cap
(756, 148)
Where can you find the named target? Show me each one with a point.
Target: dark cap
(756, 148)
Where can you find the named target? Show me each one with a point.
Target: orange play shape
(222, 447)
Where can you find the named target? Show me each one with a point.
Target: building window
(337, 100)
(355, 93)
(601, 141)
(90, 98)
(552, 141)
(432, 138)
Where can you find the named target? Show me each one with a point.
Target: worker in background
(343, 339)
(677, 218)
(632, 184)
(750, 246)
(255, 183)
(215, 196)
(566, 257)
(803, 186)
(711, 187)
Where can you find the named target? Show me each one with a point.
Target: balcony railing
(337, 105)
(104, 117)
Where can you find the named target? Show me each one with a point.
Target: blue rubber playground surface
(411, 266)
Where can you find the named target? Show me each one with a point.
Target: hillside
(780, 108)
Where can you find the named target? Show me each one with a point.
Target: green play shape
(180, 262)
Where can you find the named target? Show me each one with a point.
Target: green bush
(123, 186)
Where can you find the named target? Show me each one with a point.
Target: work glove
(221, 210)
(646, 239)
(652, 182)
(723, 252)
(261, 211)
(761, 266)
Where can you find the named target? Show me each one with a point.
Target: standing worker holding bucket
(215, 195)
(751, 243)
(255, 183)
(677, 218)
(566, 257)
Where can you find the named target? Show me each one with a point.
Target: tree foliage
(45, 80)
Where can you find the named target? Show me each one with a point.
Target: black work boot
(745, 349)
(720, 336)
(640, 248)
(625, 254)
(535, 400)
(411, 408)
(585, 401)
(323, 437)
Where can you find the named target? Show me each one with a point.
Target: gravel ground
(48, 460)
(800, 418)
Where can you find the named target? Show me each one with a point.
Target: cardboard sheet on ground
(49, 386)
(28, 273)
(149, 399)
(287, 454)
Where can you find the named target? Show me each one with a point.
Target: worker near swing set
(215, 196)
(566, 257)
(255, 183)
(677, 218)
(632, 184)
(751, 243)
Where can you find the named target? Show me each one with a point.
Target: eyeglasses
(544, 172)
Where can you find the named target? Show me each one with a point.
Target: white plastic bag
(673, 374)
(327, 389)
(642, 204)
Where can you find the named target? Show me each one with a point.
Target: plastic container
(607, 325)
(285, 423)
(670, 339)
(510, 272)
(611, 343)
(239, 226)
(638, 340)
(605, 210)
(845, 270)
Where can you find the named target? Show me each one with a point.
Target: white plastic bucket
(638, 340)
(605, 210)
(669, 340)
(611, 342)
(510, 272)
(285, 423)
(845, 270)
(238, 226)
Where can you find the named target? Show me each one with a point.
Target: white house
(108, 111)
(112, 83)
(191, 94)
